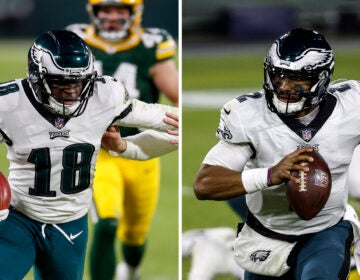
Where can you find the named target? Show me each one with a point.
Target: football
(308, 197)
(5, 192)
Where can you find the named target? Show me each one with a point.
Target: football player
(262, 137)
(211, 253)
(52, 123)
(143, 59)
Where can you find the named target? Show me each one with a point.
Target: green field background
(228, 70)
(161, 260)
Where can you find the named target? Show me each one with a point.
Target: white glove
(3, 214)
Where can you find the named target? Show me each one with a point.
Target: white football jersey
(52, 159)
(335, 132)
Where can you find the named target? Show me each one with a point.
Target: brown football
(5, 192)
(308, 197)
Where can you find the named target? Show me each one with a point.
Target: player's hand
(4, 214)
(281, 171)
(111, 140)
(173, 120)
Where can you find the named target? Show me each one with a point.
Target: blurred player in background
(126, 191)
(211, 252)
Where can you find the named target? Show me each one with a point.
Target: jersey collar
(307, 132)
(56, 120)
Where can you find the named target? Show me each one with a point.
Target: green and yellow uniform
(127, 189)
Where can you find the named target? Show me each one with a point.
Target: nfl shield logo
(306, 134)
(321, 178)
(59, 123)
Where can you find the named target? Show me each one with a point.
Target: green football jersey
(130, 61)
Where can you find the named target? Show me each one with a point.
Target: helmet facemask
(306, 92)
(69, 107)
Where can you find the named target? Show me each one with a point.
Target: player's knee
(106, 227)
(319, 271)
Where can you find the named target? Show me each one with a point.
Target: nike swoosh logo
(72, 237)
(227, 112)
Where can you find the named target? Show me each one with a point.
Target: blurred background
(29, 18)
(21, 21)
(244, 20)
(224, 45)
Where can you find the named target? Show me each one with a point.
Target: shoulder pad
(9, 95)
(111, 86)
(157, 31)
(239, 115)
(160, 39)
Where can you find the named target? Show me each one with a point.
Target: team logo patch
(260, 255)
(110, 50)
(56, 134)
(321, 178)
(306, 134)
(127, 95)
(59, 123)
(36, 53)
(224, 132)
(314, 58)
(309, 59)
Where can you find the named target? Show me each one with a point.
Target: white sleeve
(231, 156)
(146, 116)
(353, 174)
(147, 144)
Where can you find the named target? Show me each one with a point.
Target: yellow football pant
(354, 275)
(127, 190)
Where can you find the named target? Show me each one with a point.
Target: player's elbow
(200, 188)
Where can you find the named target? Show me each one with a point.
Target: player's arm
(142, 146)
(353, 176)
(147, 145)
(147, 116)
(221, 176)
(164, 72)
(131, 112)
(165, 77)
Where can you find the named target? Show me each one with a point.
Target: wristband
(255, 179)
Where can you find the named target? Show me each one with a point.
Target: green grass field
(222, 71)
(161, 260)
